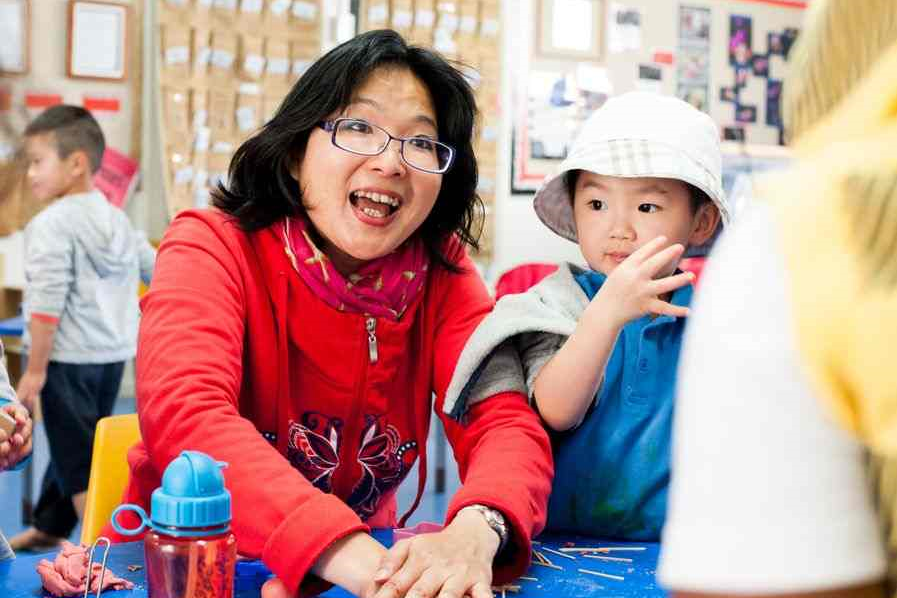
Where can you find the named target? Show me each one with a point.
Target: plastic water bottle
(189, 548)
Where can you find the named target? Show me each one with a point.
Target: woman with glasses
(300, 330)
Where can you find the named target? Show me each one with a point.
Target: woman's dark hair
(261, 190)
(696, 197)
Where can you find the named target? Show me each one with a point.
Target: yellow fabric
(108, 471)
(837, 212)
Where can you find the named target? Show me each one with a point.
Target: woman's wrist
(474, 525)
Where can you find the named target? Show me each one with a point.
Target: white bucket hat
(640, 134)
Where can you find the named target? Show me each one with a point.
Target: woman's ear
(705, 224)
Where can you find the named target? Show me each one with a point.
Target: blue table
(18, 578)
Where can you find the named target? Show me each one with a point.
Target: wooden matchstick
(566, 556)
(549, 565)
(607, 575)
(523, 577)
(607, 558)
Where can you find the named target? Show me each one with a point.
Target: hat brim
(629, 159)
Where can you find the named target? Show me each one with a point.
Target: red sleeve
(189, 370)
(503, 452)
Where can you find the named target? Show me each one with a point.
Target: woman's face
(364, 207)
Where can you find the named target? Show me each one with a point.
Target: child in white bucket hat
(596, 350)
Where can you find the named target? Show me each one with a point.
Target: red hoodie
(238, 359)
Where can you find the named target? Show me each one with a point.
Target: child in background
(640, 188)
(83, 263)
(15, 444)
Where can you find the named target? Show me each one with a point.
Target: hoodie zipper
(371, 327)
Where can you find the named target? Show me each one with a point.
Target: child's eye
(597, 204)
(648, 208)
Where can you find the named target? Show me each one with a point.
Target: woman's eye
(358, 126)
(648, 208)
(597, 204)
(421, 143)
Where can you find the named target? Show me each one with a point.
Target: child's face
(616, 215)
(49, 175)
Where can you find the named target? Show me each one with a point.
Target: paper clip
(102, 569)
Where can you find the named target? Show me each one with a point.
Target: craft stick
(607, 575)
(566, 556)
(550, 566)
(618, 559)
(542, 557)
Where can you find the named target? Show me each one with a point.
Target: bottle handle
(144, 520)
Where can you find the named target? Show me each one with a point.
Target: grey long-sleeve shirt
(83, 264)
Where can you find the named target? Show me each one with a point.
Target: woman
(788, 394)
(299, 331)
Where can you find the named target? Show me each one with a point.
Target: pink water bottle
(189, 548)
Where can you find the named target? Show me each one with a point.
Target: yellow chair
(108, 471)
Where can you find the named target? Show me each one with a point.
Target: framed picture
(98, 40)
(550, 109)
(570, 29)
(15, 36)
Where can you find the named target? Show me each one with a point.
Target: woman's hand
(16, 446)
(633, 289)
(449, 564)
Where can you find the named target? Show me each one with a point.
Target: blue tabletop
(18, 578)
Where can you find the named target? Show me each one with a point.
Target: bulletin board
(224, 68)
(726, 57)
(469, 33)
(45, 82)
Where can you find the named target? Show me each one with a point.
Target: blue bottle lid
(192, 500)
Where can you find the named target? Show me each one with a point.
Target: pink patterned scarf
(382, 288)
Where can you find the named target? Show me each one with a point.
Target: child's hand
(632, 290)
(15, 447)
(29, 388)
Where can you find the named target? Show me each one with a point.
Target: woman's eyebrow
(420, 118)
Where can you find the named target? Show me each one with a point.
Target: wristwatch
(495, 520)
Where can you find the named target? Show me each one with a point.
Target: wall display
(15, 36)
(756, 84)
(223, 70)
(97, 40)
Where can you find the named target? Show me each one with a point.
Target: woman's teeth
(375, 205)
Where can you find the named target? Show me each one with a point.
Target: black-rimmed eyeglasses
(360, 137)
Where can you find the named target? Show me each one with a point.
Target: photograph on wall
(694, 24)
(746, 114)
(696, 95)
(624, 28)
(773, 103)
(740, 36)
(728, 94)
(760, 64)
(551, 108)
(693, 63)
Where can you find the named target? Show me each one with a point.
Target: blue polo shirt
(612, 471)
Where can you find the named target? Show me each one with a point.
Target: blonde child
(598, 347)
